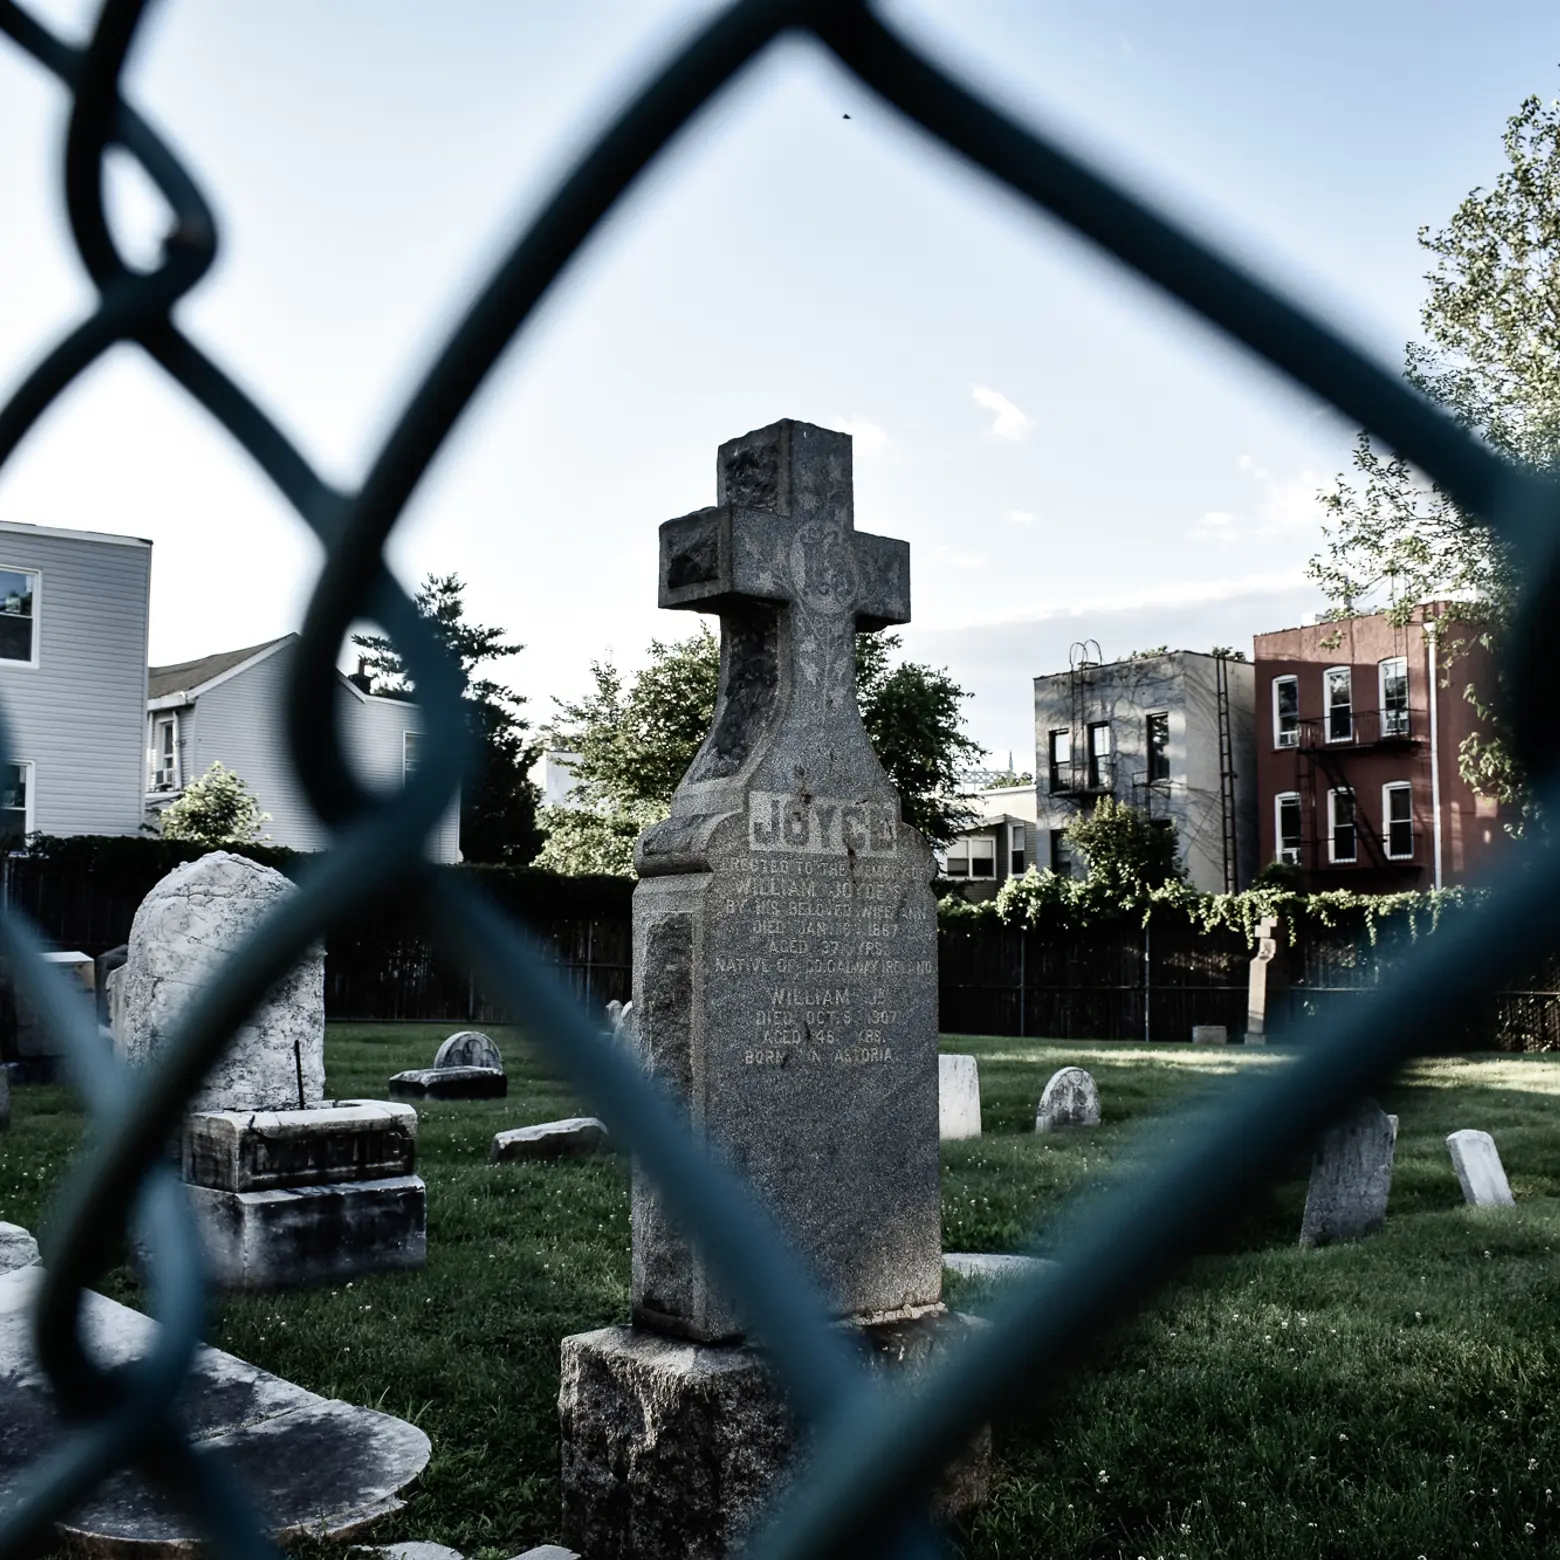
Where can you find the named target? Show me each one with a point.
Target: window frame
(1332, 825)
(1101, 761)
(30, 799)
(957, 850)
(1381, 694)
(1387, 789)
(1278, 828)
(1018, 854)
(987, 843)
(1061, 862)
(168, 719)
(37, 615)
(1347, 672)
(1278, 732)
(1150, 718)
(1058, 781)
(410, 737)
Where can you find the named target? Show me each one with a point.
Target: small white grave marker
(1071, 1099)
(1478, 1166)
(958, 1098)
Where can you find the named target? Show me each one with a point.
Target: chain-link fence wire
(873, 1458)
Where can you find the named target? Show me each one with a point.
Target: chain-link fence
(872, 1457)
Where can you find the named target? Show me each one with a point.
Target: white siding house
(73, 622)
(229, 708)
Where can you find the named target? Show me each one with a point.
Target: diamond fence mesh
(873, 1460)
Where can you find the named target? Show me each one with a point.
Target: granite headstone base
(671, 1449)
(451, 1083)
(290, 1198)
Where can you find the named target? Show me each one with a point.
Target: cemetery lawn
(1387, 1398)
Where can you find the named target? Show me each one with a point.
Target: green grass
(1388, 1398)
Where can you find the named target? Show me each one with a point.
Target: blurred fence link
(872, 1458)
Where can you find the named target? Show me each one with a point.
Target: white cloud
(1021, 517)
(1010, 423)
(1281, 509)
(869, 438)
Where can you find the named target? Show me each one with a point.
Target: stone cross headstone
(1071, 1099)
(1351, 1175)
(1479, 1170)
(183, 933)
(785, 952)
(1266, 980)
(958, 1098)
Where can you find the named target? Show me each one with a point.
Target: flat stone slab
(549, 1552)
(577, 1138)
(469, 1048)
(451, 1083)
(17, 1248)
(308, 1464)
(993, 1267)
(1210, 1034)
(1479, 1170)
(256, 1151)
(1351, 1177)
(292, 1236)
(1071, 1099)
(958, 1098)
(408, 1552)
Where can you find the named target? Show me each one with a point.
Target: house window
(1394, 696)
(1061, 760)
(1286, 712)
(1099, 757)
(411, 754)
(1397, 817)
(1286, 822)
(1061, 853)
(983, 856)
(165, 753)
(1342, 838)
(16, 803)
(957, 861)
(1017, 849)
(19, 616)
(1338, 699)
(1159, 746)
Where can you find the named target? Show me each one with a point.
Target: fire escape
(1324, 748)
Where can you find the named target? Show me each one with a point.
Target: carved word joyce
(820, 825)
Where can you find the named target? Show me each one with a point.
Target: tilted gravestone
(958, 1098)
(186, 929)
(1479, 1170)
(1351, 1177)
(785, 988)
(1070, 1099)
(289, 1190)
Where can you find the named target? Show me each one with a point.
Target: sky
(1069, 455)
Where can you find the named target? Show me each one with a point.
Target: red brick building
(1357, 742)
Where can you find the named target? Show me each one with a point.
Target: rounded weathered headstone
(1071, 1099)
(958, 1098)
(1479, 1170)
(183, 934)
(1351, 1177)
(469, 1048)
(17, 1247)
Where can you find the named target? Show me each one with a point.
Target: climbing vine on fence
(1049, 901)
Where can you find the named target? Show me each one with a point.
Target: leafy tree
(1127, 853)
(1011, 781)
(635, 739)
(217, 809)
(1228, 653)
(1491, 357)
(498, 803)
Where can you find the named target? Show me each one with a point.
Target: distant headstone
(108, 981)
(623, 1025)
(1071, 1099)
(451, 1083)
(614, 1015)
(184, 932)
(958, 1098)
(1267, 978)
(1210, 1034)
(469, 1048)
(577, 1138)
(1479, 1170)
(1351, 1175)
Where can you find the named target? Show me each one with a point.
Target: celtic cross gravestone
(784, 926)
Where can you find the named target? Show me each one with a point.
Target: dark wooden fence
(1113, 982)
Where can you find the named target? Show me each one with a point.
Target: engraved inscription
(821, 825)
